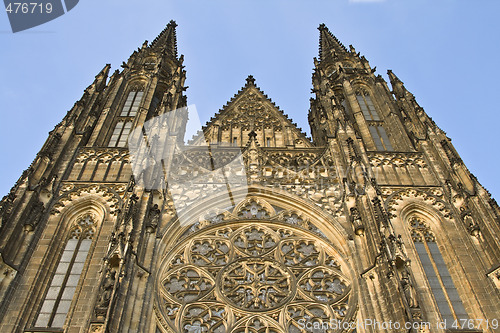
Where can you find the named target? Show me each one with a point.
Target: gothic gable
(251, 110)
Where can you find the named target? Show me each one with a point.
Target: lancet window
(63, 286)
(443, 289)
(375, 123)
(124, 124)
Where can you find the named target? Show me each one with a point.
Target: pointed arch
(317, 217)
(419, 216)
(73, 230)
(58, 299)
(298, 252)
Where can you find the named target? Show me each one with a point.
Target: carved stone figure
(409, 290)
(107, 289)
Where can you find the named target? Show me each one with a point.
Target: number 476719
(28, 8)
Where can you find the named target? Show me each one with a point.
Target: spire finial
(104, 71)
(250, 81)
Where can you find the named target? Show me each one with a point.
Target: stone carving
(34, 215)
(6, 207)
(357, 223)
(253, 284)
(409, 290)
(217, 278)
(430, 197)
(107, 290)
(469, 221)
(72, 192)
(253, 209)
(153, 219)
(420, 231)
(397, 160)
(260, 206)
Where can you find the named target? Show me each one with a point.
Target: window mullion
(440, 279)
(64, 282)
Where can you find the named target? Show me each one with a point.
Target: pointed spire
(329, 46)
(167, 40)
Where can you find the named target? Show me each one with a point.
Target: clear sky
(445, 52)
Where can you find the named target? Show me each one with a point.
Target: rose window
(253, 276)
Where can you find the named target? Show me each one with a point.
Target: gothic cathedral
(373, 225)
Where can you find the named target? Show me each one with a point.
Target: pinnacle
(322, 27)
(393, 76)
(250, 81)
(104, 71)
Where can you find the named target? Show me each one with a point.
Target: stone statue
(409, 290)
(107, 289)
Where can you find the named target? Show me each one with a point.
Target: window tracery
(60, 294)
(126, 117)
(445, 293)
(375, 123)
(366, 105)
(252, 276)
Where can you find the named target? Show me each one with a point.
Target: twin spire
(329, 46)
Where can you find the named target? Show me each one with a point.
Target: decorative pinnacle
(393, 76)
(104, 71)
(250, 80)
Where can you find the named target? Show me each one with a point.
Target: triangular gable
(251, 110)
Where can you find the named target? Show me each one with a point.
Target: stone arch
(136, 84)
(222, 242)
(108, 197)
(439, 222)
(79, 220)
(430, 201)
(325, 222)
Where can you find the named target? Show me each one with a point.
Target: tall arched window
(375, 123)
(443, 289)
(366, 105)
(124, 124)
(63, 285)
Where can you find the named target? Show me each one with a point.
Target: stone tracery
(252, 276)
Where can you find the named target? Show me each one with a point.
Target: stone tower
(373, 225)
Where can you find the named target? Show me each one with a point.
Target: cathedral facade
(372, 225)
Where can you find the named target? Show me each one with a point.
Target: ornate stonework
(374, 219)
(219, 277)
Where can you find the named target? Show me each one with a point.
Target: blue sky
(445, 51)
